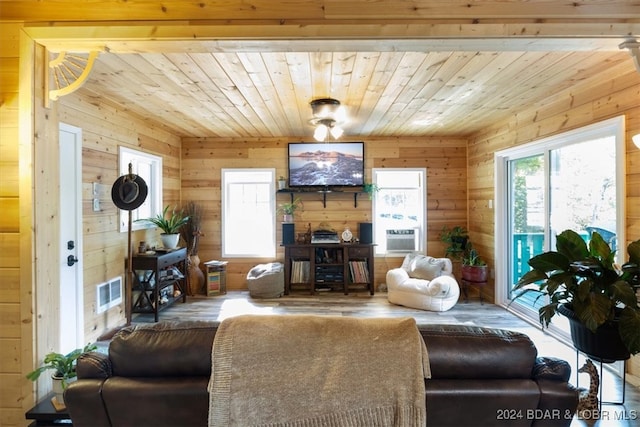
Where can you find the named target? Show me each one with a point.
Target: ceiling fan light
(320, 133)
(336, 132)
(323, 108)
(340, 114)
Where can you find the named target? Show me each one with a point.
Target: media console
(329, 267)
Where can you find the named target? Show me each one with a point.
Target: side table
(466, 283)
(45, 415)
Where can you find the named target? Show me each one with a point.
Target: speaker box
(366, 233)
(288, 233)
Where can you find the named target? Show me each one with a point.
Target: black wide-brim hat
(129, 192)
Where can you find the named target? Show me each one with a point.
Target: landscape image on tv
(332, 164)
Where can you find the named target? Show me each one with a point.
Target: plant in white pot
(64, 369)
(598, 297)
(170, 226)
(282, 182)
(288, 209)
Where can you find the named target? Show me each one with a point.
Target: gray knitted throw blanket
(308, 371)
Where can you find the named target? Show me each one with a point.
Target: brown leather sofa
(157, 374)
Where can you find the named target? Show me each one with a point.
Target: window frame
(225, 207)
(422, 224)
(611, 127)
(154, 186)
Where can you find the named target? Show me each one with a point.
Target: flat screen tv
(328, 165)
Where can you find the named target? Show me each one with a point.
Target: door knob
(71, 260)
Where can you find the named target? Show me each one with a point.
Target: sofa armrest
(448, 266)
(443, 286)
(396, 276)
(85, 404)
(94, 365)
(551, 368)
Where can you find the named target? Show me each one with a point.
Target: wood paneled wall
(13, 340)
(582, 105)
(330, 18)
(444, 159)
(105, 128)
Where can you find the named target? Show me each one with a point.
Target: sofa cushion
(495, 402)
(470, 352)
(422, 266)
(184, 346)
(427, 268)
(157, 402)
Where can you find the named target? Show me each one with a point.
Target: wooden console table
(152, 275)
(331, 266)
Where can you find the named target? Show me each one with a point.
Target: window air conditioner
(401, 240)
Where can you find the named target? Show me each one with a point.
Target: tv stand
(329, 266)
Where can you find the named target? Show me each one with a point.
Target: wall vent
(109, 294)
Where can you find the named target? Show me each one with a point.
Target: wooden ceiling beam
(165, 39)
(113, 10)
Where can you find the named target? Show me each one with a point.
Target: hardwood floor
(363, 305)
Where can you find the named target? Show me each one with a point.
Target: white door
(71, 287)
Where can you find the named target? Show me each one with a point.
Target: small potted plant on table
(170, 225)
(64, 369)
(289, 208)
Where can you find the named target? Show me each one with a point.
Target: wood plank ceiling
(389, 90)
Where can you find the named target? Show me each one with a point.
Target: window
(399, 214)
(248, 213)
(149, 168)
(573, 180)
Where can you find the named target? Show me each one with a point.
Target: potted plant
(370, 189)
(599, 298)
(288, 209)
(474, 268)
(64, 369)
(170, 225)
(282, 183)
(456, 239)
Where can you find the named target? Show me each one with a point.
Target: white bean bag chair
(423, 282)
(266, 280)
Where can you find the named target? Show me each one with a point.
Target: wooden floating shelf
(324, 194)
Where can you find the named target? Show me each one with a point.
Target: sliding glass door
(527, 218)
(572, 181)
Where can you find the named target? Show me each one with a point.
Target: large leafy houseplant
(586, 280)
(456, 239)
(63, 365)
(169, 224)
